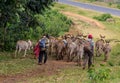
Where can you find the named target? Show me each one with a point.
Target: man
(90, 39)
(88, 51)
(43, 52)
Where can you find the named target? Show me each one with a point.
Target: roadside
(100, 3)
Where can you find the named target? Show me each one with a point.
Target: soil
(52, 66)
(85, 19)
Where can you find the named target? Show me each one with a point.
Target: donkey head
(107, 41)
(102, 36)
(30, 45)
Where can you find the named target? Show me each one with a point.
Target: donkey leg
(81, 56)
(78, 61)
(19, 51)
(25, 53)
(106, 57)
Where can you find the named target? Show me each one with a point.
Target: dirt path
(52, 67)
(85, 19)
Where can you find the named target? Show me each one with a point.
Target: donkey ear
(102, 36)
(107, 41)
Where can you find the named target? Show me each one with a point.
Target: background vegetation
(28, 19)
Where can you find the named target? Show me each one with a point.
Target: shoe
(39, 63)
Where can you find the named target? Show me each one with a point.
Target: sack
(41, 45)
(43, 49)
(36, 50)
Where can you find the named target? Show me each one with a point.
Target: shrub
(111, 63)
(51, 22)
(118, 6)
(98, 75)
(103, 17)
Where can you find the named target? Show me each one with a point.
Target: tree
(17, 16)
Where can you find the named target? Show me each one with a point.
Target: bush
(110, 4)
(51, 22)
(103, 17)
(118, 6)
(98, 75)
(54, 22)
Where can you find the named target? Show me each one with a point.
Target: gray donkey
(107, 50)
(99, 45)
(23, 45)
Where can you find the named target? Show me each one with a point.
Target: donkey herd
(71, 46)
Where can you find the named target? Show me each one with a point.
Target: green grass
(68, 75)
(9, 65)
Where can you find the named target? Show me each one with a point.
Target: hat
(90, 36)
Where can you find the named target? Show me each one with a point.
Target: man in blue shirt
(43, 52)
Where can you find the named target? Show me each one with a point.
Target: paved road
(115, 12)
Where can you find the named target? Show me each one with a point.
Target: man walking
(43, 49)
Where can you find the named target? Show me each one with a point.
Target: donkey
(99, 45)
(60, 49)
(23, 45)
(79, 51)
(71, 49)
(107, 50)
(52, 46)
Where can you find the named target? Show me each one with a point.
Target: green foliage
(25, 19)
(111, 63)
(116, 50)
(118, 6)
(103, 17)
(110, 3)
(18, 17)
(98, 75)
(56, 22)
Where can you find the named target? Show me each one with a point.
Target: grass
(68, 75)
(9, 65)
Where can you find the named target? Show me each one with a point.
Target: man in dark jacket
(43, 52)
(90, 39)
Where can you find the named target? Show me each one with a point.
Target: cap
(90, 36)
